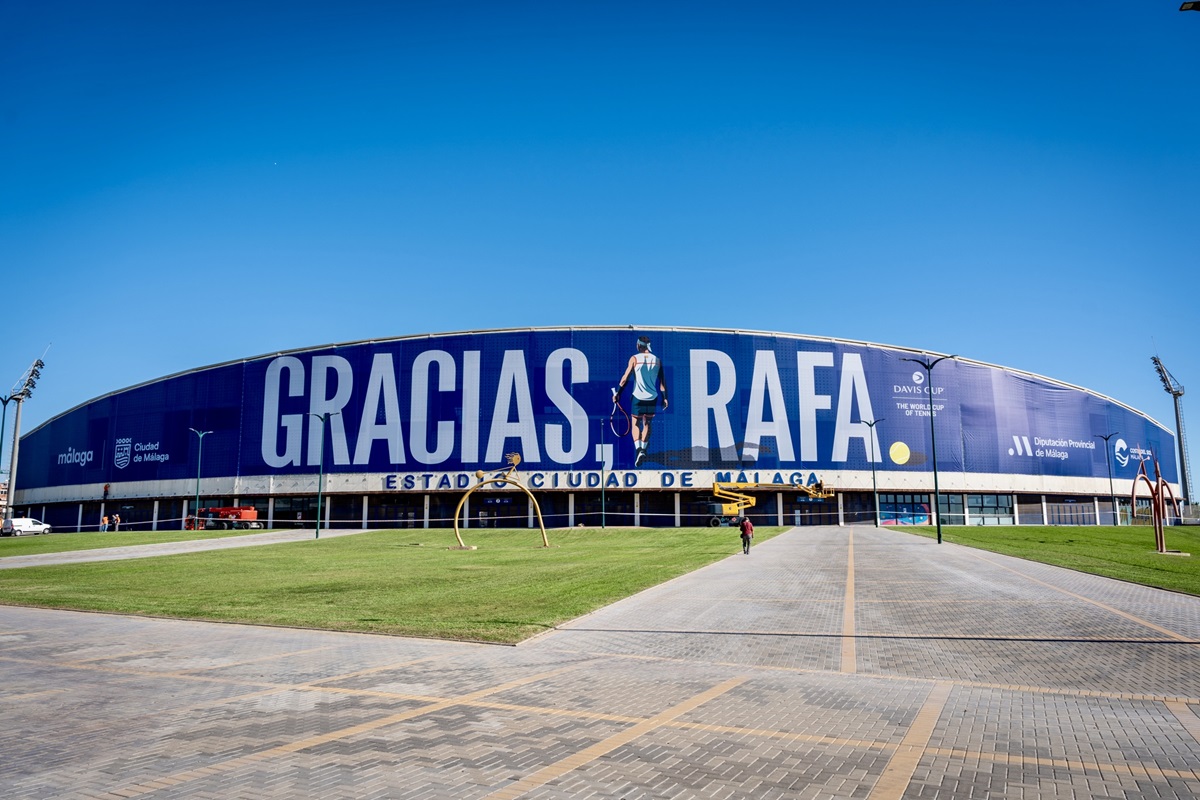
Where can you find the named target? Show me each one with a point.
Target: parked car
(19, 526)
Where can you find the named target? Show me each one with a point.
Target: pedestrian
(747, 534)
(104, 524)
(116, 523)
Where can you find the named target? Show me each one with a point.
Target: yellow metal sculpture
(508, 477)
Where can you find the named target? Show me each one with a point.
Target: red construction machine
(224, 518)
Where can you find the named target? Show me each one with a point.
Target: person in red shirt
(747, 534)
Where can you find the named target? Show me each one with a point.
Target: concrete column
(637, 508)
(779, 509)
(154, 521)
(366, 499)
(466, 514)
(79, 524)
(678, 515)
(571, 510)
(1045, 512)
(270, 512)
(1096, 503)
(529, 521)
(426, 511)
(841, 512)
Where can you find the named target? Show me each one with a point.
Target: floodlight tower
(27, 382)
(1175, 389)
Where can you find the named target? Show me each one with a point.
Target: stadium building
(399, 429)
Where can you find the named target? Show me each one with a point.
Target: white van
(19, 526)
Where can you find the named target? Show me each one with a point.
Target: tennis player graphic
(646, 370)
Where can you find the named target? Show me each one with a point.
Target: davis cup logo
(1121, 452)
(121, 454)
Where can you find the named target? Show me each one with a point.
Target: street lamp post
(1112, 495)
(874, 487)
(602, 504)
(199, 457)
(937, 495)
(321, 469)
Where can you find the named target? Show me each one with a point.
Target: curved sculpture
(1159, 489)
(508, 477)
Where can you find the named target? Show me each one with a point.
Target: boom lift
(224, 518)
(736, 501)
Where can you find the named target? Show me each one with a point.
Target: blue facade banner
(460, 402)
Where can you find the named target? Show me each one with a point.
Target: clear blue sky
(188, 183)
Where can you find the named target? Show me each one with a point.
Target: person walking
(747, 534)
(104, 524)
(116, 523)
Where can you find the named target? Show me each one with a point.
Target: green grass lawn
(399, 581)
(92, 540)
(1126, 553)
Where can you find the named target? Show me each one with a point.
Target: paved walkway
(828, 663)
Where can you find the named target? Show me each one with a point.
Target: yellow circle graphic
(899, 453)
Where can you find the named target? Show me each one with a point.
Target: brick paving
(828, 663)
